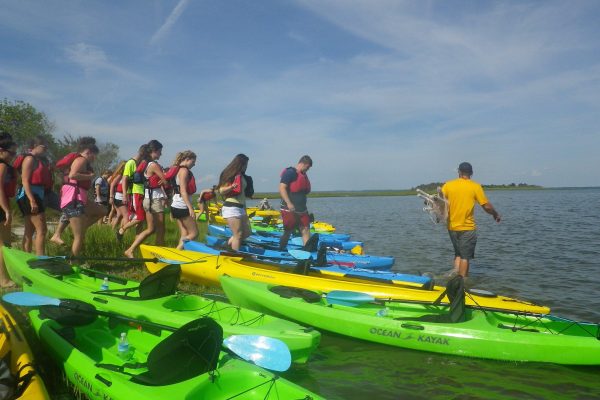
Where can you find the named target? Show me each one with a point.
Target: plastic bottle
(383, 312)
(104, 285)
(123, 346)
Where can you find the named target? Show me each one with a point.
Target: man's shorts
(464, 243)
(155, 206)
(74, 209)
(136, 208)
(25, 205)
(293, 220)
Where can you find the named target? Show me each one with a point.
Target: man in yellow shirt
(462, 193)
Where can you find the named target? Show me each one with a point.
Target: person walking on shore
(233, 187)
(462, 194)
(133, 193)
(36, 180)
(294, 186)
(8, 186)
(154, 199)
(74, 193)
(115, 198)
(184, 186)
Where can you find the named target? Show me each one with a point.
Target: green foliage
(24, 122)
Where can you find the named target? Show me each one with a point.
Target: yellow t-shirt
(461, 195)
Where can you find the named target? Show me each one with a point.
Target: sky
(381, 94)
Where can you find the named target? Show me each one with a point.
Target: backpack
(140, 170)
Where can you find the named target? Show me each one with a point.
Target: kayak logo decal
(89, 387)
(262, 275)
(409, 336)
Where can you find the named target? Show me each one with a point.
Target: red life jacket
(119, 187)
(41, 175)
(10, 181)
(152, 182)
(64, 164)
(171, 175)
(300, 184)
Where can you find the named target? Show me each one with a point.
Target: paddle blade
(300, 254)
(347, 298)
(266, 352)
(30, 299)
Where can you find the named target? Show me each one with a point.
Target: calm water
(546, 249)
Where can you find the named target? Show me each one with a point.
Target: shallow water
(546, 249)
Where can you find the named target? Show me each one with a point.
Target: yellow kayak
(12, 341)
(207, 269)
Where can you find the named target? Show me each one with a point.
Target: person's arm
(283, 192)
(112, 189)
(26, 172)
(97, 190)
(3, 199)
(225, 190)
(489, 208)
(155, 169)
(79, 171)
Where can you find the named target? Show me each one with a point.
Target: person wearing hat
(462, 193)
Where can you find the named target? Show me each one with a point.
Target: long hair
(119, 170)
(36, 141)
(183, 155)
(235, 167)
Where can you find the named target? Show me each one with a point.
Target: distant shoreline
(406, 192)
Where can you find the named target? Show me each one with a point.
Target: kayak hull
(175, 310)
(491, 335)
(97, 343)
(207, 269)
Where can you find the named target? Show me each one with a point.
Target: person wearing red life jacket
(74, 193)
(115, 197)
(36, 179)
(133, 192)
(184, 186)
(294, 186)
(232, 186)
(155, 199)
(8, 186)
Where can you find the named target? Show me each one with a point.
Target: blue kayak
(331, 257)
(285, 259)
(296, 242)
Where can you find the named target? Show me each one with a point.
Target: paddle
(264, 351)
(354, 299)
(119, 259)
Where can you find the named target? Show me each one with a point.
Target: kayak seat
(455, 290)
(289, 292)
(312, 244)
(190, 351)
(69, 313)
(159, 284)
(55, 266)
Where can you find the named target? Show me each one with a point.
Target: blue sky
(382, 94)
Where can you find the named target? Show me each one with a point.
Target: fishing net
(435, 205)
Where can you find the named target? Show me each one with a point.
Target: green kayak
(153, 299)
(463, 331)
(187, 364)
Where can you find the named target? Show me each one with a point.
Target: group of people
(135, 195)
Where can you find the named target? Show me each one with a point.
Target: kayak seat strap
(160, 284)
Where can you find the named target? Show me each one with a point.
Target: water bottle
(104, 285)
(123, 346)
(383, 312)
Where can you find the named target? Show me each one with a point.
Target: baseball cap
(466, 168)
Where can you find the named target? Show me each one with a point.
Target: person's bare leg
(141, 236)
(57, 236)
(39, 223)
(78, 227)
(463, 267)
(235, 224)
(27, 234)
(5, 281)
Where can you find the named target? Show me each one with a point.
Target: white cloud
(169, 23)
